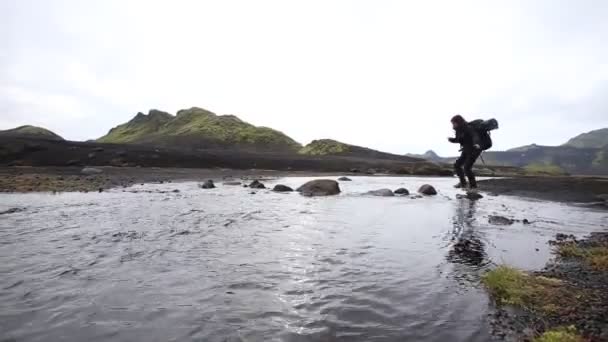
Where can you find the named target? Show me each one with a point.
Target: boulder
(471, 195)
(344, 179)
(207, 185)
(91, 171)
(402, 191)
(320, 187)
(381, 192)
(282, 188)
(232, 183)
(428, 190)
(256, 184)
(500, 220)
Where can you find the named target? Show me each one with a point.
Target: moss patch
(560, 335)
(545, 169)
(594, 256)
(510, 286)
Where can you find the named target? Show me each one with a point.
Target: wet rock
(176, 191)
(402, 191)
(500, 220)
(12, 211)
(354, 170)
(526, 221)
(471, 195)
(100, 190)
(320, 187)
(282, 188)
(232, 183)
(428, 190)
(91, 171)
(381, 193)
(415, 196)
(256, 184)
(72, 162)
(207, 185)
(344, 179)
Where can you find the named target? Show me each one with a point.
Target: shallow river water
(149, 264)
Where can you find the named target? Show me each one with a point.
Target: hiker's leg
(458, 169)
(468, 167)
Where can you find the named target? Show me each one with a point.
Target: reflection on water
(226, 265)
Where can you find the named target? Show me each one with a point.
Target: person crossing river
(474, 138)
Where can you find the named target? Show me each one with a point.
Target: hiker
(470, 149)
(474, 138)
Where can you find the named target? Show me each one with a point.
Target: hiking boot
(461, 185)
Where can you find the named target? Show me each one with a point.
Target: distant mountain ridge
(198, 128)
(593, 139)
(28, 131)
(429, 155)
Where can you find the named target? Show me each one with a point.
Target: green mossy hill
(594, 139)
(30, 132)
(324, 147)
(329, 147)
(196, 127)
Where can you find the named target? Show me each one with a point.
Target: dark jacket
(466, 136)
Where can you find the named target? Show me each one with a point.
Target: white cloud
(387, 74)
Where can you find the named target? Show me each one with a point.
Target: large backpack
(483, 128)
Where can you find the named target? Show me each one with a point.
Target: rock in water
(256, 184)
(207, 185)
(402, 191)
(500, 220)
(381, 192)
(282, 188)
(91, 171)
(472, 195)
(344, 179)
(427, 189)
(320, 187)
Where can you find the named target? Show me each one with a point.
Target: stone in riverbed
(402, 191)
(500, 220)
(428, 190)
(207, 185)
(471, 195)
(282, 188)
(344, 179)
(256, 184)
(381, 193)
(320, 187)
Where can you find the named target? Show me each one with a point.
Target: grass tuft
(560, 335)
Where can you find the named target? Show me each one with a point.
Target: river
(149, 264)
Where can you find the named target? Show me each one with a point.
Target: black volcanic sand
(65, 179)
(561, 189)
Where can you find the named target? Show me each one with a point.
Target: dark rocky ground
(561, 189)
(571, 293)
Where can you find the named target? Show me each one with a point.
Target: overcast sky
(383, 74)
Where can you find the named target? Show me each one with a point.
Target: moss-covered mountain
(28, 131)
(198, 128)
(594, 139)
(328, 147)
